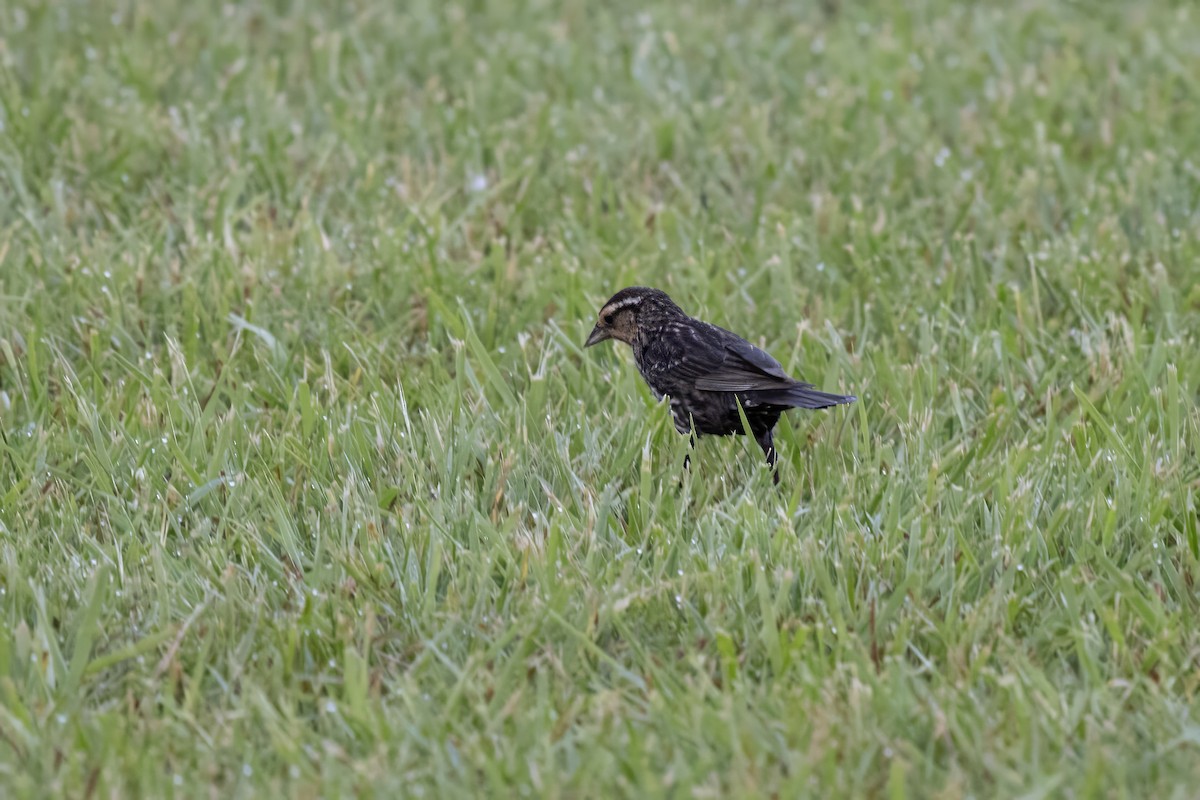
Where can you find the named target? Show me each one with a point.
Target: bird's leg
(766, 440)
(687, 459)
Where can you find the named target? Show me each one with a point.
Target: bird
(704, 370)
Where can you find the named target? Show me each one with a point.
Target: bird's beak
(597, 335)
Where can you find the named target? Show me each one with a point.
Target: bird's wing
(716, 360)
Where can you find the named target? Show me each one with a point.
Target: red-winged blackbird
(705, 370)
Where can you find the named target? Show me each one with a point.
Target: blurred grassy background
(308, 488)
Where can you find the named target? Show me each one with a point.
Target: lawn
(308, 488)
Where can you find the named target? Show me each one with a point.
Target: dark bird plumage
(705, 370)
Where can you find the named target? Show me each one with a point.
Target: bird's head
(630, 310)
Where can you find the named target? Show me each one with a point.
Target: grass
(307, 487)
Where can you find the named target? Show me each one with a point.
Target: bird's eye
(608, 319)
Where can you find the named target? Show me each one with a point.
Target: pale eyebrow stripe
(612, 308)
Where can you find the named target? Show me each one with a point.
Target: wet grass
(308, 488)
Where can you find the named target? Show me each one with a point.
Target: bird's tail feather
(804, 395)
